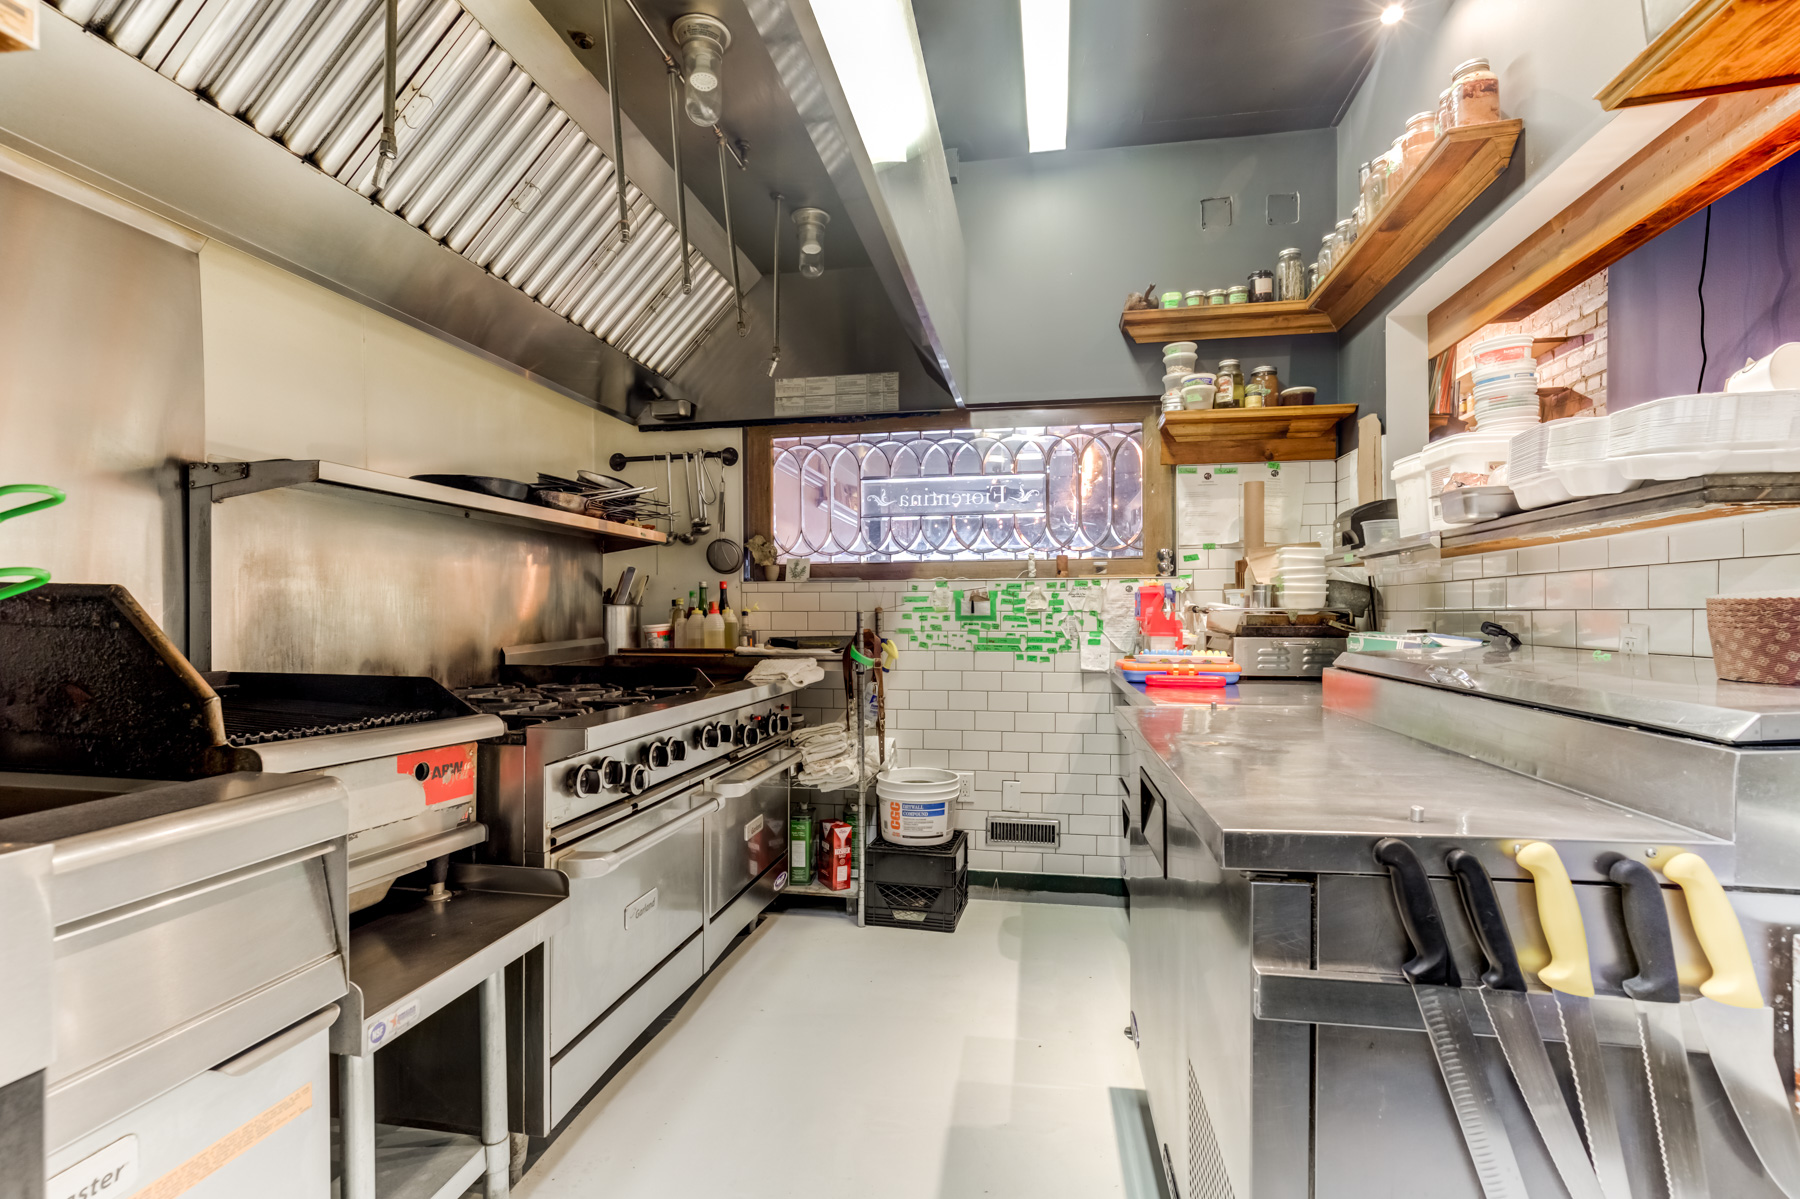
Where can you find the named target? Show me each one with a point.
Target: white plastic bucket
(914, 805)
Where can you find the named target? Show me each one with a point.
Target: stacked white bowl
(1178, 362)
(1506, 383)
(1300, 576)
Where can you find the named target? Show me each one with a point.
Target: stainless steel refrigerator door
(641, 902)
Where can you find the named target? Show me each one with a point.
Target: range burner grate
(260, 723)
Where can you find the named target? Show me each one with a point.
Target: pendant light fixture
(703, 40)
(812, 222)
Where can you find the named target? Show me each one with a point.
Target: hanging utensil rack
(728, 455)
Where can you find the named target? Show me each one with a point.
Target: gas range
(588, 745)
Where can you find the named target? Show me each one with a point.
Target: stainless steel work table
(1300, 788)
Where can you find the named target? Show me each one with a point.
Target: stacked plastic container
(1506, 383)
(1300, 576)
(1178, 363)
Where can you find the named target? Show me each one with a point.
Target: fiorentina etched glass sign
(957, 495)
(960, 495)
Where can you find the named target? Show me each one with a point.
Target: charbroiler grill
(91, 687)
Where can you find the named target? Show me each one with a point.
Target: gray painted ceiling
(757, 110)
(1149, 71)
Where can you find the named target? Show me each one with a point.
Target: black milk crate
(912, 886)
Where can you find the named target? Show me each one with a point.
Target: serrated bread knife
(1437, 989)
(1571, 979)
(1509, 1008)
(1656, 1000)
(1739, 1028)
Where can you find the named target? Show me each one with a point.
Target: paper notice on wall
(1209, 502)
(835, 395)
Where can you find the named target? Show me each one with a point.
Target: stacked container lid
(1506, 383)
(1300, 576)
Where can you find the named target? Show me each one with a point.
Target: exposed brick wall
(1579, 363)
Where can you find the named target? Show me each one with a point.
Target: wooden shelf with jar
(1460, 166)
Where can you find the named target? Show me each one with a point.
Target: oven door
(746, 844)
(635, 899)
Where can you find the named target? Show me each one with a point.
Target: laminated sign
(957, 495)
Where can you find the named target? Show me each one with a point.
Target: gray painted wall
(1752, 306)
(1056, 241)
(1551, 57)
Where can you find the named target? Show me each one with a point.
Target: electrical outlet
(965, 794)
(1011, 797)
(1634, 639)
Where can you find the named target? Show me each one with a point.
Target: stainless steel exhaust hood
(498, 227)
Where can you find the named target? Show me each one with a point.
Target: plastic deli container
(1500, 355)
(656, 636)
(915, 804)
(1409, 491)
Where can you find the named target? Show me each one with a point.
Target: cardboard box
(834, 855)
(18, 25)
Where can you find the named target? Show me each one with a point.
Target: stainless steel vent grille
(488, 165)
(1024, 834)
(1206, 1166)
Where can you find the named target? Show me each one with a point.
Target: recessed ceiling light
(1392, 14)
(1044, 29)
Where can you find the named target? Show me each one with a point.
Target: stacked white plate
(1300, 576)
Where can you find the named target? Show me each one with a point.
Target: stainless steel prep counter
(1282, 1050)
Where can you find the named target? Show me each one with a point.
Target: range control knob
(585, 780)
(696, 736)
(709, 736)
(782, 721)
(639, 780)
(612, 772)
(748, 734)
(654, 754)
(723, 729)
(677, 749)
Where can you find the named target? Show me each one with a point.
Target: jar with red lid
(1474, 94)
(1416, 142)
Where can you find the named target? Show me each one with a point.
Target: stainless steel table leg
(494, 1138)
(356, 1125)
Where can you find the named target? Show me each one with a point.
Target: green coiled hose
(25, 578)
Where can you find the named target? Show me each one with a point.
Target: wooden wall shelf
(1297, 433)
(1715, 46)
(1460, 167)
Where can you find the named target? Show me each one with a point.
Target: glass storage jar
(1474, 93)
(1194, 299)
(1416, 142)
(1229, 385)
(1238, 295)
(1312, 276)
(1446, 119)
(1290, 276)
(1262, 286)
(1216, 296)
(1327, 253)
(1264, 388)
(1345, 234)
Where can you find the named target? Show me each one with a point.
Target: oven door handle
(726, 787)
(594, 865)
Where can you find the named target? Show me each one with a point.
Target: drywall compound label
(109, 1172)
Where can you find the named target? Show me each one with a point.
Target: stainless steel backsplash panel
(323, 583)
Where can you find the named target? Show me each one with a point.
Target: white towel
(797, 672)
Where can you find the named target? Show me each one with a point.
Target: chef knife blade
(1439, 994)
(1656, 996)
(1508, 1006)
(1739, 1028)
(1570, 978)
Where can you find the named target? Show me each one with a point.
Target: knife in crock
(1656, 997)
(1739, 1028)
(1571, 979)
(1439, 994)
(1509, 1008)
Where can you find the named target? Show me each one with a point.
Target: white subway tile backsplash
(1708, 539)
(1683, 585)
(1571, 589)
(1525, 591)
(1737, 575)
(1540, 559)
(1489, 593)
(1702, 639)
(1048, 702)
(1022, 681)
(1598, 629)
(1553, 628)
(1671, 630)
(1771, 533)
(1636, 549)
(1625, 587)
(1580, 555)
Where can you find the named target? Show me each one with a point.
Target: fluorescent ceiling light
(1392, 13)
(1044, 26)
(876, 58)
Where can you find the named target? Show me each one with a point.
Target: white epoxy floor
(823, 1060)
